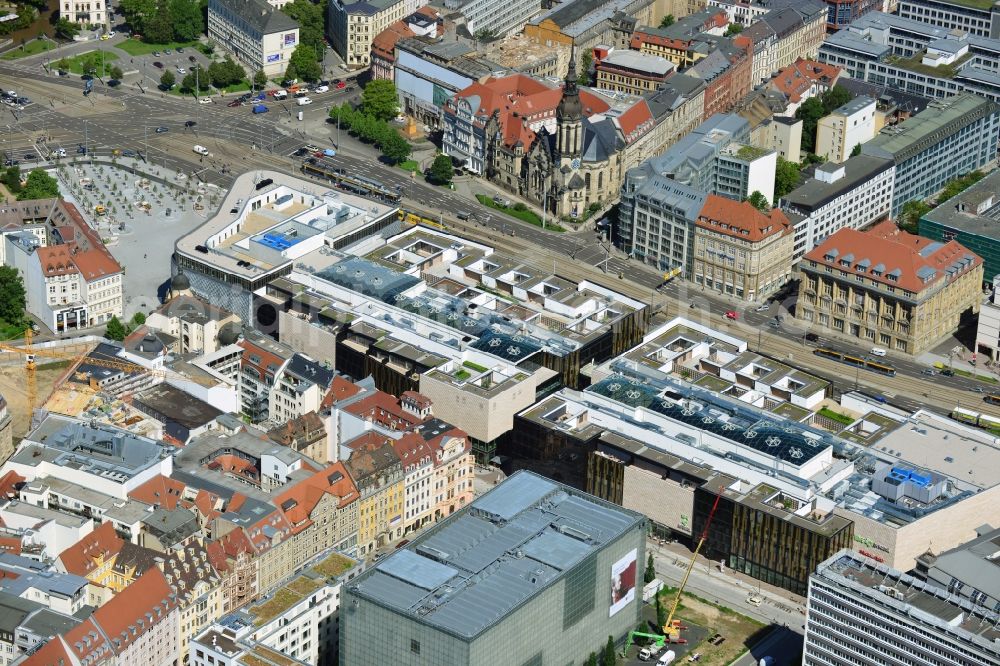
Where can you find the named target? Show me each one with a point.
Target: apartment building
(26, 625)
(262, 362)
(85, 12)
(299, 388)
(740, 251)
(852, 195)
(418, 467)
(197, 325)
(354, 24)
(975, 18)
(492, 18)
(33, 579)
(889, 288)
(804, 79)
(259, 36)
(454, 468)
(628, 71)
(842, 132)
(686, 41)
(784, 34)
(861, 611)
(951, 137)
(327, 503)
(378, 474)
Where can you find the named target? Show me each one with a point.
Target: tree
(650, 572)
(11, 295)
(910, 214)
(586, 62)
(136, 13)
(609, 658)
(259, 79)
(168, 80)
(786, 178)
(592, 659)
(379, 99)
(395, 148)
(441, 170)
(836, 97)
(188, 21)
(116, 329)
(661, 612)
(485, 35)
(116, 72)
(225, 73)
(309, 16)
(809, 112)
(138, 319)
(734, 29)
(159, 28)
(667, 21)
(39, 185)
(856, 150)
(12, 179)
(191, 79)
(759, 201)
(304, 61)
(66, 29)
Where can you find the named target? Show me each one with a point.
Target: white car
(111, 34)
(302, 101)
(201, 150)
(59, 152)
(204, 100)
(181, 70)
(764, 308)
(321, 89)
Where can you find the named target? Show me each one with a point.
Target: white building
(499, 18)
(259, 36)
(36, 581)
(988, 330)
(354, 24)
(298, 388)
(85, 12)
(854, 194)
(53, 531)
(863, 612)
(196, 324)
(839, 133)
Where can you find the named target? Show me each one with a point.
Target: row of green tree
(369, 123)
(38, 184)
(817, 107)
(912, 211)
(12, 297)
(219, 74)
(116, 330)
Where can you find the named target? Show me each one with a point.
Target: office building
(988, 326)
(842, 132)
(843, 12)
(740, 251)
(967, 570)
(535, 566)
(862, 611)
(889, 288)
(975, 18)
(86, 13)
(629, 71)
(352, 26)
(259, 37)
(950, 138)
(661, 198)
(852, 195)
(972, 218)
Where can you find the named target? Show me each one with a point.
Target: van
(666, 658)
(878, 351)
(645, 654)
(201, 150)
(302, 101)
(280, 94)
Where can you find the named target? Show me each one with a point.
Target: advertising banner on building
(623, 582)
(289, 39)
(274, 57)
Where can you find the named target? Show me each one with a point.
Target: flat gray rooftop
(471, 570)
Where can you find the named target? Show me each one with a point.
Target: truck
(666, 658)
(201, 150)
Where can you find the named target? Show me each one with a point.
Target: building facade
(972, 17)
(861, 611)
(842, 132)
(951, 137)
(258, 36)
(889, 288)
(85, 12)
(630, 72)
(354, 24)
(496, 19)
(988, 326)
(740, 251)
(380, 478)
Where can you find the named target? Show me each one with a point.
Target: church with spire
(564, 148)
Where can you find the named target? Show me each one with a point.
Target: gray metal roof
(32, 574)
(257, 13)
(475, 567)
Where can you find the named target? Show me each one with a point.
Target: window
(414, 646)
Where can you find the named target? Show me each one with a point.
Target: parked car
(158, 64)
(260, 108)
(156, 54)
(181, 70)
(764, 308)
(166, 51)
(235, 102)
(161, 130)
(10, 163)
(303, 101)
(204, 100)
(321, 89)
(192, 59)
(180, 49)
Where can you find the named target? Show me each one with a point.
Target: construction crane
(672, 628)
(658, 641)
(30, 365)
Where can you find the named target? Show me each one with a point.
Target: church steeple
(569, 106)
(569, 113)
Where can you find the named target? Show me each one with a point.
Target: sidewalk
(470, 186)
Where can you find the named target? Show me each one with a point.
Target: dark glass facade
(987, 247)
(766, 545)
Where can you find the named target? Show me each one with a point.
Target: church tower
(569, 139)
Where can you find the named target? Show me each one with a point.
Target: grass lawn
(237, 87)
(409, 165)
(34, 47)
(10, 332)
(737, 629)
(988, 379)
(836, 416)
(76, 62)
(524, 215)
(134, 47)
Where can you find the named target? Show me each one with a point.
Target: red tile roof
(636, 121)
(83, 557)
(340, 389)
(793, 81)
(412, 449)
(54, 653)
(382, 408)
(298, 501)
(136, 609)
(9, 483)
(740, 219)
(159, 491)
(87, 640)
(384, 44)
(55, 260)
(885, 250)
(10, 545)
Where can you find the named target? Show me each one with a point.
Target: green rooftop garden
(334, 566)
(914, 64)
(750, 153)
(836, 417)
(474, 366)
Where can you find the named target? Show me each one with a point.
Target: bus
(881, 367)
